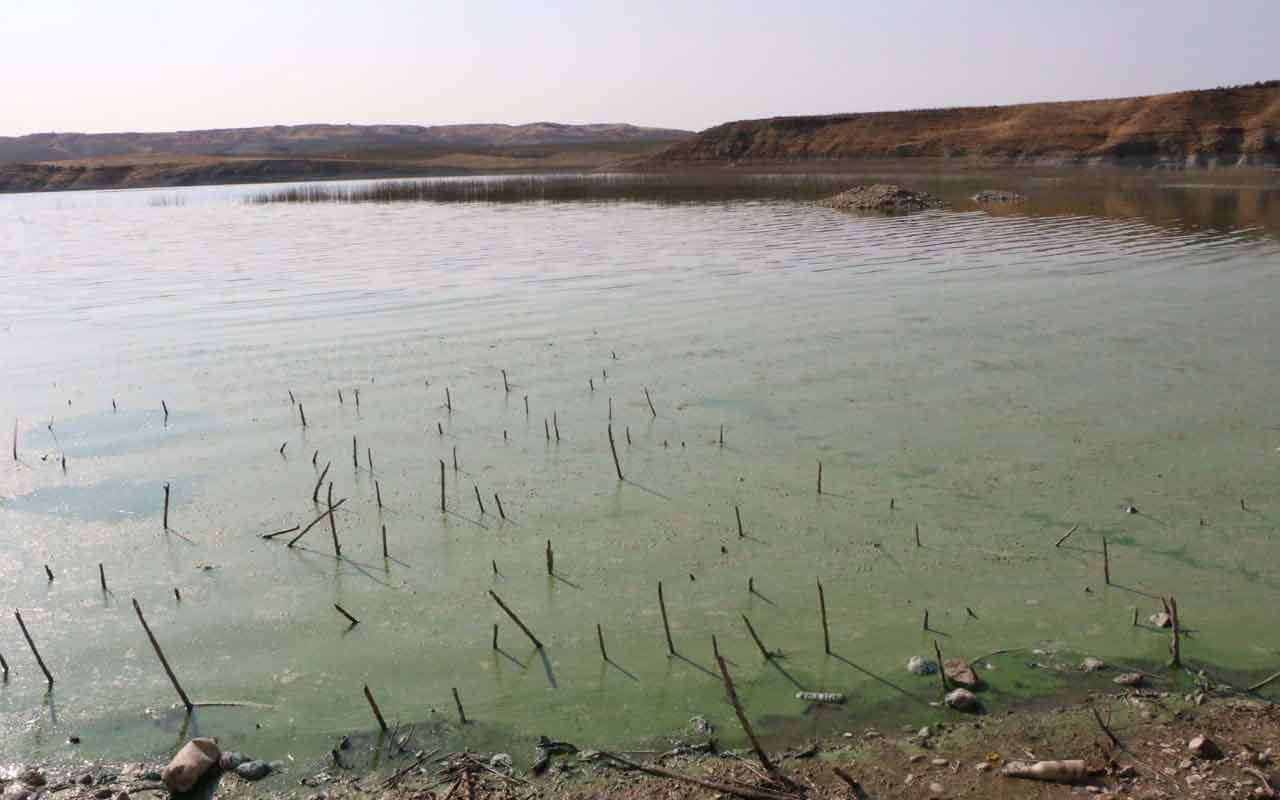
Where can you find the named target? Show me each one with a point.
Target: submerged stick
(822, 608)
(604, 654)
(462, 715)
(479, 502)
(377, 712)
(1175, 646)
(649, 400)
(443, 509)
(662, 605)
(346, 614)
(316, 521)
(164, 662)
(1262, 682)
(31, 643)
(737, 512)
(333, 525)
(1066, 535)
(1106, 562)
(942, 672)
(166, 505)
(515, 619)
(613, 449)
(498, 500)
(315, 493)
(768, 765)
(756, 638)
(280, 533)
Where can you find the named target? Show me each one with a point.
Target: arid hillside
(1237, 126)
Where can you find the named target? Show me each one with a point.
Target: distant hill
(1237, 126)
(328, 140)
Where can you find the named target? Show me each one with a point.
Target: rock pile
(887, 197)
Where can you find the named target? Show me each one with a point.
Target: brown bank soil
(1151, 757)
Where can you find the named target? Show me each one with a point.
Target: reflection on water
(994, 377)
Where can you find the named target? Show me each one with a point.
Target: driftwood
(1262, 682)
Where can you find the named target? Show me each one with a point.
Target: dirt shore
(1153, 755)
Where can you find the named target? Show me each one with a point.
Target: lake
(1099, 358)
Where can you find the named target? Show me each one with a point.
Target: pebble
(253, 770)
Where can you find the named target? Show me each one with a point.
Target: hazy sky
(112, 65)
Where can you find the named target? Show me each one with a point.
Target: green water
(1001, 378)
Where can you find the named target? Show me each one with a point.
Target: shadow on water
(884, 681)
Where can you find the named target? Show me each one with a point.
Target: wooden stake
(166, 505)
(611, 409)
(1066, 535)
(494, 562)
(649, 400)
(591, 384)
(164, 662)
(355, 454)
(315, 456)
(333, 526)
(479, 502)
(737, 512)
(498, 500)
(1135, 616)
(377, 712)
(515, 619)
(506, 387)
(4, 668)
(292, 401)
(555, 425)
(385, 553)
(613, 449)
(357, 391)
(628, 435)
(551, 559)
(942, 673)
(30, 643)
(15, 439)
(751, 629)
(600, 638)
(722, 436)
(751, 585)
(917, 534)
(339, 397)
(177, 595)
(819, 477)
(1106, 562)
(768, 765)
(495, 630)
(303, 415)
(462, 716)
(102, 578)
(546, 429)
(282, 447)
(440, 428)
(926, 620)
(315, 522)
(166, 410)
(443, 508)
(448, 400)
(715, 646)
(455, 458)
(377, 493)
(1176, 645)
(346, 614)
(315, 493)
(822, 607)
(526, 406)
(662, 605)
(48, 572)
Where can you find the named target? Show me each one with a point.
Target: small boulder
(918, 665)
(962, 700)
(886, 197)
(1161, 620)
(32, 777)
(17, 791)
(190, 764)
(231, 759)
(1092, 664)
(253, 770)
(1129, 679)
(960, 672)
(501, 761)
(1204, 747)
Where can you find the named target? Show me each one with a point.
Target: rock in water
(253, 770)
(1128, 679)
(962, 700)
(918, 665)
(820, 697)
(1092, 664)
(886, 197)
(191, 762)
(1161, 620)
(997, 196)
(960, 672)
